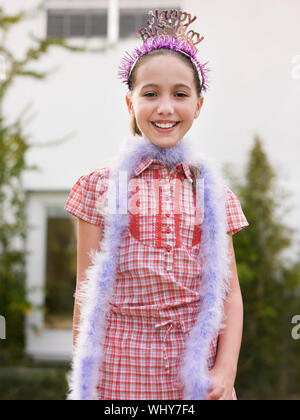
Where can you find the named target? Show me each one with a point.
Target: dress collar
(146, 162)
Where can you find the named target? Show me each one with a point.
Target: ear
(129, 104)
(199, 106)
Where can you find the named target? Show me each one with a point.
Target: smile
(165, 126)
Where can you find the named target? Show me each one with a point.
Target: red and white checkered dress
(157, 294)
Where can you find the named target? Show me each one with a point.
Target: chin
(164, 142)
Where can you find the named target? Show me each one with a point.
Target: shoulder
(95, 180)
(86, 196)
(229, 193)
(236, 218)
(96, 174)
(231, 199)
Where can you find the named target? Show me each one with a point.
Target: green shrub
(33, 383)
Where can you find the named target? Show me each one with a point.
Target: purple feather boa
(97, 289)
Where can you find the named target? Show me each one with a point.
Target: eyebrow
(177, 86)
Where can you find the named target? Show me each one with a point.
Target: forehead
(164, 69)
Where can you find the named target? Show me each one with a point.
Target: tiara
(167, 29)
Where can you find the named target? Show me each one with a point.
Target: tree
(14, 143)
(268, 284)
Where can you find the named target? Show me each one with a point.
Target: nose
(165, 106)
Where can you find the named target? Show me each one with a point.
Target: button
(169, 269)
(168, 248)
(168, 215)
(137, 188)
(138, 203)
(196, 251)
(168, 230)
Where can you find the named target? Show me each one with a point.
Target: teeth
(170, 125)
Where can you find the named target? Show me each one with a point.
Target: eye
(149, 95)
(181, 95)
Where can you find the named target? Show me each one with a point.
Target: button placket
(166, 190)
(169, 259)
(168, 224)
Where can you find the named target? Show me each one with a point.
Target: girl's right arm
(89, 237)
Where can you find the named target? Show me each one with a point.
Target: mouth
(165, 127)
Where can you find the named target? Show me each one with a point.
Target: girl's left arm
(223, 373)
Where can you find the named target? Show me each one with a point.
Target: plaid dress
(157, 294)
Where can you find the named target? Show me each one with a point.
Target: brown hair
(132, 81)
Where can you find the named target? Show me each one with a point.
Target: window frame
(113, 15)
(42, 343)
(67, 16)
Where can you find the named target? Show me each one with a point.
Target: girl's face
(164, 100)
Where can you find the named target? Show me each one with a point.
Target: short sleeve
(236, 220)
(86, 197)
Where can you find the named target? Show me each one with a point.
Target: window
(90, 18)
(76, 23)
(60, 270)
(131, 21)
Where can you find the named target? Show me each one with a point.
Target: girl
(156, 274)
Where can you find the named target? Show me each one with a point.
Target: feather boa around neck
(97, 288)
